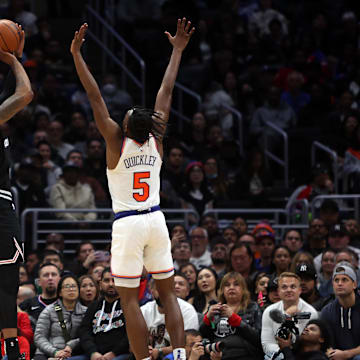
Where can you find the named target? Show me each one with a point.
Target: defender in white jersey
(134, 157)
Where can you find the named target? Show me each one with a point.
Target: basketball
(9, 36)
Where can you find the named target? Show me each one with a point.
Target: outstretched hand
(20, 49)
(182, 36)
(78, 39)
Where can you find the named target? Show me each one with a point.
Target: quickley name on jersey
(139, 160)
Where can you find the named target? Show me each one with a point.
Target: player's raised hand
(7, 57)
(78, 39)
(20, 49)
(182, 36)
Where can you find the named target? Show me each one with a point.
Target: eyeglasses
(68, 286)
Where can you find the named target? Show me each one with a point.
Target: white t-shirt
(203, 260)
(156, 322)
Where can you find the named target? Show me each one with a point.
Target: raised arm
(108, 128)
(164, 95)
(23, 93)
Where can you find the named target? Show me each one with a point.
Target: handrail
(318, 145)
(36, 221)
(179, 109)
(238, 116)
(99, 30)
(272, 156)
(354, 197)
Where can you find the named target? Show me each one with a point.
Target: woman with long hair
(235, 320)
(299, 258)
(280, 260)
(206, 290)
(89, 290)
(190, 271)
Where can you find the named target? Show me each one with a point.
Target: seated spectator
(313, 344)
(351, 257)
(230, 235)
(23, 274)
(206, 285)
(301, 257)
(241, 260)
(25, 335)
(154, 316)
(280, 260)
(316, 237)
(75, 133)
(53, 257)
(69, 193)
(249, 240)
(219, 258)
(321, 183)
(56, 240)
(240, 225)
(201, 256)
(235, 320)
(309, 292)
(329, 213)
(51, 338)
(291, 303)
(326, 271)
(178, 234)
(96, 272)
(211, 225)
(24, 293)
(55, 138)
(265, 244)
(190, 271)
(195, 192)
(49, 277)
(181, 254)
(89, 290)
(85, 257)
(102, 330)
(293, 241)
(272, 291)
(181, 286)
(343, 314)
(261, 289)
(353, 228)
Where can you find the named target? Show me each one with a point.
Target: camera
(215, 346)
(288, 323)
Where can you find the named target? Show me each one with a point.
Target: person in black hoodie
(102, 331)
(313, 343)
(343, 314)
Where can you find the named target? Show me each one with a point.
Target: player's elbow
(28, 96)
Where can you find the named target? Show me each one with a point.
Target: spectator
(56, 240)
(280, 259)
(235, 320)
(276, 112)
(265, 243)
(178, 234)
(329, 213)
(211, 225)
(181, 286)
(75, 133)
(261, 287)
(273, 292)
(289, 292)
(51, 338)
(240, 225)
(326, 271)
(53, 257)
(249, 240)
(69, 193)
(309, 292)
(230, 235)
(201, 256)
(96, 272)
(195, 191)
(89, 290)
(181, 254)
(353, 229)
(102, 330)
(293, 240)
(85, 257)
(153, 313)
(343, 314)
(316, 237)
(314, 343)
(24, 293)
(301, 257)
(206, 285)
(219, 258)
(32, 263)
(23, 275)
(190, 271)
(55, 138)
(49, 277)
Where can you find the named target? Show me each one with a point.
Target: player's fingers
(168, 35)
(187, 27)
(183, 22)
(191, 31)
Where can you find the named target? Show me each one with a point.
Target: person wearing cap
(309, 292)
(69, 193)
(343, 314)
(265, 241)
(338, 239)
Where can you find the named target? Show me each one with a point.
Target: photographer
(291, 303)
(312, 344)
(235, 321)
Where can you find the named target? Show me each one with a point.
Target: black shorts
(11, 246)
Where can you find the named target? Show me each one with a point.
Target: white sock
(179, 354)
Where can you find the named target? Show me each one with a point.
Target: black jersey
(5, 194)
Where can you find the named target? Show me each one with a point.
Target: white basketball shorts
(137, 241)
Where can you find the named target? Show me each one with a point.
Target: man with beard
(154, 316)
(49, 276)
(102, 330)
(219, 257)
(316, 237)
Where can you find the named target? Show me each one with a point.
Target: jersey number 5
(142, 186)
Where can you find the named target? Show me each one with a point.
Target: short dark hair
(53, 252)
(325, 333)
(49, 264)
(192, 332)
(78, 248)
(106, 270)
(74, 151)
(63, 278)
(140, 123)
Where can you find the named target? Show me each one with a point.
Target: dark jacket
(344, 324)
(34, 306)
(310, 355)
(240, 333)
(103, 329)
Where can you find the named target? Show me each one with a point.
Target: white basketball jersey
(135, 182)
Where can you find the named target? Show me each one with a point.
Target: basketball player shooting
(134, 156)
(15, 95)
